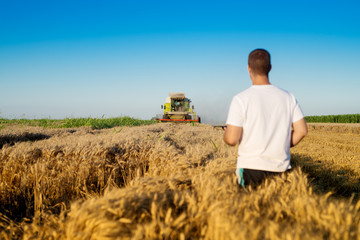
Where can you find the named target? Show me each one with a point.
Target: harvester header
(177, 109)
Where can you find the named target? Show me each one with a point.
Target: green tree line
(95, 123)
(345, 118)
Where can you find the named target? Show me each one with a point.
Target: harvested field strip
(170, 181)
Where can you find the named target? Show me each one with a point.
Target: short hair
(259, 62)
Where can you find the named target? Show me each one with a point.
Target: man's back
(265, 113)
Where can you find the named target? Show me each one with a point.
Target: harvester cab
(177, 109)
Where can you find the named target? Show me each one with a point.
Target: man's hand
(232, 135)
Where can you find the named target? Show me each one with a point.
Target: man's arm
(232, 135)
(299, 132)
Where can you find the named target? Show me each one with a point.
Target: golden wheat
(171, 181)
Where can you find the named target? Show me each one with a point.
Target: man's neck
(260, 80)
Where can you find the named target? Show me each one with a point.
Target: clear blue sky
(121, 58)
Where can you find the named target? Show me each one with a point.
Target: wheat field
(172, 181)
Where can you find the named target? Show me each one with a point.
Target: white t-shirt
(266, 114)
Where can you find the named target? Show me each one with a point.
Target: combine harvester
(177, 109)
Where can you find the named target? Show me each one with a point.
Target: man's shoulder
(244, 93)
(283, 91)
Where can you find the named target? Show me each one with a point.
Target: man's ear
(249, 69)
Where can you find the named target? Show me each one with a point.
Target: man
(265, 121)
